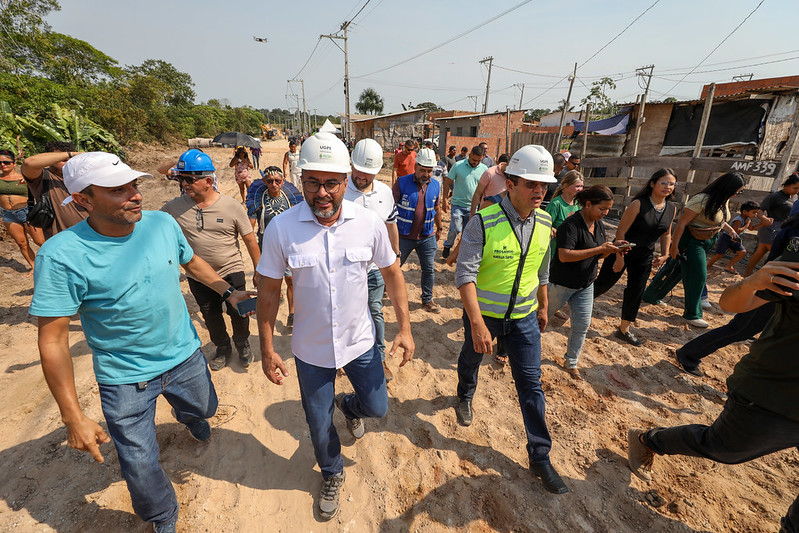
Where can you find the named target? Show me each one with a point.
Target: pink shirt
(494, 181)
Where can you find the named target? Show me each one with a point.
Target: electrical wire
(620, 33)
(718, 45)
(451, 39)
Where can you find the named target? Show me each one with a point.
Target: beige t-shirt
(222, 222)
(66, 216)
(697, 204)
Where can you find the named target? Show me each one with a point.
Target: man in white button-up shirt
(328, 243)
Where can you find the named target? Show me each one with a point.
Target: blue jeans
(426, 251)
(581, 305)
(376, 289)
(318, 390)
(522, 341)
(129, 411)
(459, 216)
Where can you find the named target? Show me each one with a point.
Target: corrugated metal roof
(390, 115)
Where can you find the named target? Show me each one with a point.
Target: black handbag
(42, 214)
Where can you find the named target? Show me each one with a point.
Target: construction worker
(418, 202)
(502, 275)
(328, 243)
(364, 190)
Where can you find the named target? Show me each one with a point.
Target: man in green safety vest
(502, 275)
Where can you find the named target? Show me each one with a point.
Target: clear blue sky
(213, 42)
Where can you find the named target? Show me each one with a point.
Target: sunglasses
(190, 179)
(6, 162)
(200, 222)
(273, 181)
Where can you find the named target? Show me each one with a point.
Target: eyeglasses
(200, 223)
(314, 186)
(274, 181)
(667, 183)
(189, 179)
(6, 162)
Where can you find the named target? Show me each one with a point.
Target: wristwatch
(230, 290)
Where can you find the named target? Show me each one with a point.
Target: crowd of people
(338, 237)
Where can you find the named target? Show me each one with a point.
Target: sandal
(501, 359)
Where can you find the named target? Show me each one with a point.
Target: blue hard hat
(195, 162)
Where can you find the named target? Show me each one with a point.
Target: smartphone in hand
(246, 306)
(626, 246)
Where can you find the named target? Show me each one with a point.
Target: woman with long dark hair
(703, 217)
(581, 242)
(646, 220)
(777, 205)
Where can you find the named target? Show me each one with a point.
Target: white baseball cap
(97, 168)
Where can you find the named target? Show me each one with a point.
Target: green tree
(179, 87)
(23, 26)
(598, 98)
(533, 115)
(369, 103)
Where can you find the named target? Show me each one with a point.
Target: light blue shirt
(465, 178)
(127, 293)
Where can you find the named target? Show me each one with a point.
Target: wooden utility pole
(700, 137)
(507, 130)
(490, 60)
(521, 96)
(639, 122)
(787, 153)
(565, 108)
(304, 112)
(344, 25)
(585, 130)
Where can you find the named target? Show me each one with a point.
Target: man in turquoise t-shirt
(119, 271)
(463, 178)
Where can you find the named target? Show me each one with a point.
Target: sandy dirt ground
(416, 469)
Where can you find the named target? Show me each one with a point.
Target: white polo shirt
(332, 323)
(380, 200)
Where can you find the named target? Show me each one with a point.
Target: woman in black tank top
(647, 219)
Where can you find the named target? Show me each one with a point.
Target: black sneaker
(464, 412)
(290, 321)
(694, 371)
(628, 337)
(445, 252)
(245, 354)
(200, 429)
(329, 496)
(355, 425)
(220, 359)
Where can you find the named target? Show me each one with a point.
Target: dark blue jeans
(426, 250)
(318, 390)
(377, 287)
(130, 414)
(522, 341)
(741, 327)
(742, 432)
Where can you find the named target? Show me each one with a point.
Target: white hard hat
(426, 157)
(324, 151)
(532, 162)
(367, 156)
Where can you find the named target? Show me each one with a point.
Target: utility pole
(521, 96)
(572, 77)
(490, 60)
(304, 113)
(639, 122)
(473, 99)
(344, 26)
(314, 118)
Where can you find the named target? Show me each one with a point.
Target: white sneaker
(699, 323)
(706, 304)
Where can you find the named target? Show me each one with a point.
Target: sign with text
(766, 169)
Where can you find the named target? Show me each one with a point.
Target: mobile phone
(247, 306)
(791, 255)
(626, 246)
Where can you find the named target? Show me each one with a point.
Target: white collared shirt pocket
(301, 266)
(356, 257)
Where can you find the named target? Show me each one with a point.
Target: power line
(736, 67)
(736, 61)
(451, 39)
(719, 45)
(620, 33)
(359, 11)
(309, 58)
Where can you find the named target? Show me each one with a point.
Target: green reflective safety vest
(507, 282)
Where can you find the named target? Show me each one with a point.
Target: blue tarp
(607, 126)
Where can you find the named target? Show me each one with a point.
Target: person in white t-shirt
(364, 190)
(328, 243)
